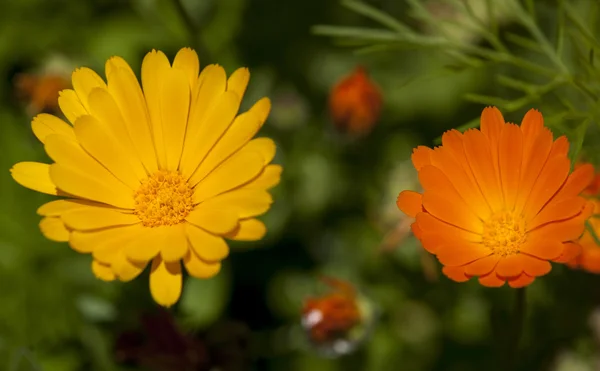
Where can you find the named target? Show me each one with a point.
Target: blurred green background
(334, 211)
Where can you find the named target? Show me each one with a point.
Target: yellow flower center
(504, 233)
(164, 198)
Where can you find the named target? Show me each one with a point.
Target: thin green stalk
(516, 331)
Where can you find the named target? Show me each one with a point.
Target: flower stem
(516, 330)
(193, 30)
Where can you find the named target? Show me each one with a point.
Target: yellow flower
(162, 174)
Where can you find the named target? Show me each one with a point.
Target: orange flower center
(165, 198)
(504, 233)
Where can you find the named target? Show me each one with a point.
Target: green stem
(193, 31)
(516, 330)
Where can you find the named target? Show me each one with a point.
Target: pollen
(165, 198)
(504, 233)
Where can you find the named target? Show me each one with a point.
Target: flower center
(504, 233)
(164, 198)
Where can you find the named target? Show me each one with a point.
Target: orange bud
(332, 315)
(355, 103)
(41, 91)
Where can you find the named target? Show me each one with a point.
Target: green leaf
(577, 142)
(376, 15)
(356, 32)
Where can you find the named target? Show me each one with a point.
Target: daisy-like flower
(499, 203)
(158, 173)
(589, 258)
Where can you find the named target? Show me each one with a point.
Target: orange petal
(521, 281)
(454, 255)
(482, 266)
(555, 211)
(544, 249)
(510, 266)
(510, 159)
(410, 203)
(491, 123)
(455, 273)
(563, 231)
(534, 159)
(464, 183)
(479, 157)
(590, 260)
(570, 252)
(421, 156)
(491, 127)
(429, 223)
(491, 280)
(535, 267)
(453, 211)
(560, 147)
(532, 124)
(579, 179)
(414, 227)
(551, 178)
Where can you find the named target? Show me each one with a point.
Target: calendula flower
(158, 175)
(355, 103)
(589, 258)
(40, 91)
(499, 203)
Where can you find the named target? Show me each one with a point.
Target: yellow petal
(207, 246)
(146, 246)
(198, 268)
(84, 81)
(244, 127)
(235, 171)
(88, 241)
(45, 124)
(267, 179)
(58, 207)
(210, 129)
(214, 221)
(174, 244)
(187, 61)
(126, 269)
(126, 91)
(174, 106)
(238, 81)
(54, 229)
(103, 271)
(248, 230)
(209, 91)
(96, 218)
(154, 69)
(34, 175)
(263, 146)
(99, 143)
(70, 105)
(105, 109)
(245, 202)
(165, 281)
(107, 249)
(261, 109)
(81, 185)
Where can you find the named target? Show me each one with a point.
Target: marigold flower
(355, 103)
(41, 91)
(157, 175)
(499, 203)
(332, 315)
(589, 258)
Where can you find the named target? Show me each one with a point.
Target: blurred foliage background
(437, 63)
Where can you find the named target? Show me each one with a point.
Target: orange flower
(355, 103)
(499, 203)
(41, 91)
(589, 259)
(333, 315)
